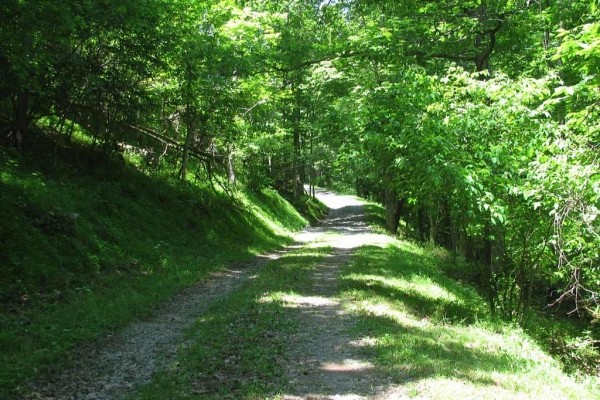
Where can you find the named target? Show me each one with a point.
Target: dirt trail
(112, 367)
(327, 364)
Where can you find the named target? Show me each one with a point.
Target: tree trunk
(393, 210)
(298, 165)
(21, 119)
(270, 165)
(231, 166)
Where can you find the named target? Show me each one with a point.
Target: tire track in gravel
(113, 366)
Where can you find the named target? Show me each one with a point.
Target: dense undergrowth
(89, 243)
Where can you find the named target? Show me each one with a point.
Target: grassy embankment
(434, 335)
(430, 334)
(87, 245)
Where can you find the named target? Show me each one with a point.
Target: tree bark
(298, 165)
(393, 210)
(231, 166)
(185, 156)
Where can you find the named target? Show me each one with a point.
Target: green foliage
(483, 170)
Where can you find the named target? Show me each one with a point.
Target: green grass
(433, 334)
(311, 208)
(87, 245)
(238, 346)
(568, 340)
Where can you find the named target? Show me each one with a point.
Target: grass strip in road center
(237, 349)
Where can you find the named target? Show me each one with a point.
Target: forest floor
(315, 334)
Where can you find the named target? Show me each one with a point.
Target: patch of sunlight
(419, 285)
(267, 298)
(367, 341)
(263, 217)
(510, 341)
(270, 223)
(363, 239)
(315, 238)
(528, 370)
(297, 301)
(410, 247)
(441, 388)
(336, 201)
(498, 386)
(291, 300)
(315, 396)
(348, 365)
(387, 311)
(341, 241)
(269, 256)
(308, 236)
(484, 341)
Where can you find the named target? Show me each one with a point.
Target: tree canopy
(475, 122)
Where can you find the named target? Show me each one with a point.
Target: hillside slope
(88, 244)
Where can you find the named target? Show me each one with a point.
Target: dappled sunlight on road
(344, 228)
(348, 365)
(308, 301)
(359, 240)
(327, 362)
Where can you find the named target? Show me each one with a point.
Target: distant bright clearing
(335, 202)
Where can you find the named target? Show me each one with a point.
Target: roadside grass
(86, 249)
(574, 343)
(236, 350)
(433, 336)
(311, 208)
(374, 216)
(571, 341)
